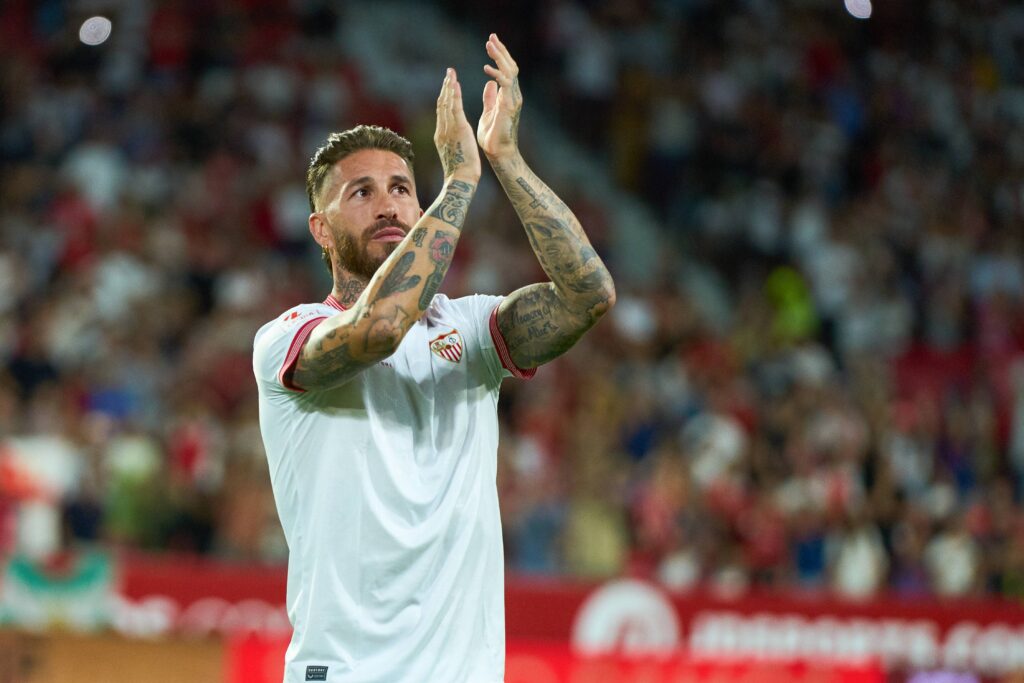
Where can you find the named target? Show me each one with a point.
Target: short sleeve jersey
(385, 487)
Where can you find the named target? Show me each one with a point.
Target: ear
(318, 229)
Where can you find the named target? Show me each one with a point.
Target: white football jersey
(385, 487)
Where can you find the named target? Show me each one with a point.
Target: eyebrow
(367, 180)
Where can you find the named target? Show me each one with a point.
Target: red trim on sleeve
(502, 348)
(293, 352)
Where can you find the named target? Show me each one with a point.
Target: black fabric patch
(316, 673)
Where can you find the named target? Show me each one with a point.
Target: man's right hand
(454, 137)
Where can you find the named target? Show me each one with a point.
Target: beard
(354, 252)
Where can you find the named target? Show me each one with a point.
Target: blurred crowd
(819, 385)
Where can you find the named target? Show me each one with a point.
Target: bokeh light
(860, 9)
(95, 30)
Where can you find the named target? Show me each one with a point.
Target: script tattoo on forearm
(417, 236)
(451, 208)
(442, 248)
(396, 280)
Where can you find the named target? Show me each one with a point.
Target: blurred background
(809, 398)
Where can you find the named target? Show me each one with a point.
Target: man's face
(369, 205)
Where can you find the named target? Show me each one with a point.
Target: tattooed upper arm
(341, 347)
(537, 325)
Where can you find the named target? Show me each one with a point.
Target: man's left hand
(498, 130)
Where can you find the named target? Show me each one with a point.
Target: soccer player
(378, 407)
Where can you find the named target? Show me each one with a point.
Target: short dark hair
(340, 145)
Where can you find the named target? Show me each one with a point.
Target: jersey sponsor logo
(316, 673)
(448, 346)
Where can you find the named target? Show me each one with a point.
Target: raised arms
(402, 287)
(541, 321)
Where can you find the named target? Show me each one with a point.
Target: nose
(387, 207)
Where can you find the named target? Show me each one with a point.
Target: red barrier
(252, 659)
(546, 663)
(629, 617)
(255, 659)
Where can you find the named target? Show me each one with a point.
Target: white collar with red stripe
(334, 303)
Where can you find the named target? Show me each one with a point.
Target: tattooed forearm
(537, 202)
(517, 96)
(452, 157)
(451, 207)
(386, 331)
(560, 244)
(543, 321)
(417, 236)
(396, 281)
(570, 261)
(442, 248)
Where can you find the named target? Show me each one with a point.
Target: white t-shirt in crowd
(385, 487)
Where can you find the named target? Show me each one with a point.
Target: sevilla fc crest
(448, 346)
